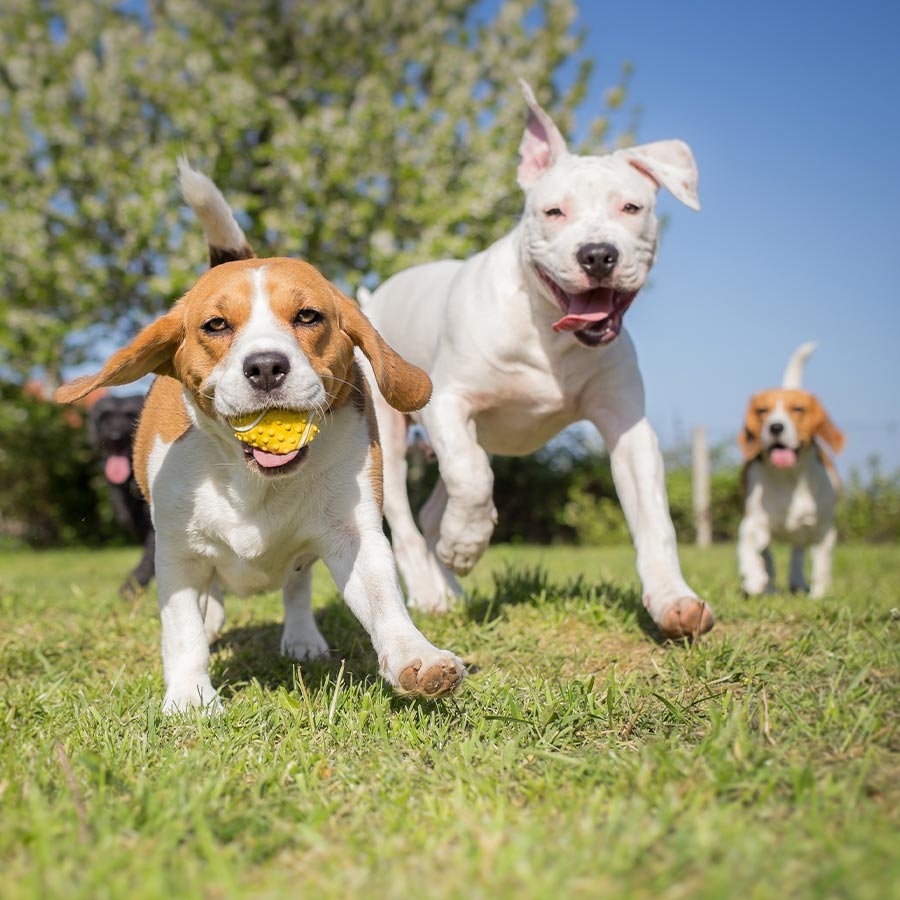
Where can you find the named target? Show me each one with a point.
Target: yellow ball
(276, 430)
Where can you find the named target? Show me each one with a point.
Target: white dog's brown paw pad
(440, 678)
(687, 618)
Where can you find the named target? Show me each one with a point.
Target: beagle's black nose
(265, 371)
(776, 428)
(598, 260)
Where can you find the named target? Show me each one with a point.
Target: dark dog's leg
(142, 573)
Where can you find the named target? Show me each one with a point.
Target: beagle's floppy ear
(667, 163)
(748, 439)
(405, 386)
(826, 429)
(151, 351)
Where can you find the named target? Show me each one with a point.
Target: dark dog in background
(111, 425)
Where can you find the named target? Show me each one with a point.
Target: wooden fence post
(702, 517)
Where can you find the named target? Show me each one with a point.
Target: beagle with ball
(791, 485)
(259, 453)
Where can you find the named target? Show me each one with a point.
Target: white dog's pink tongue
(117, 469)
(273, 460)
(782, 457)
(585, 309)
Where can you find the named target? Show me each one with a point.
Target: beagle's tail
(793, 373)
(224, 236)
(363, 296)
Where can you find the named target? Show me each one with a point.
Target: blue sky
(792, 110)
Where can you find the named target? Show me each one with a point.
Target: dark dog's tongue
(586, 309)
(117, 469)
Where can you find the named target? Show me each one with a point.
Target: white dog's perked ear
(542, 144)
(667, 163)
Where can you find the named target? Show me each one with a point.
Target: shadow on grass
(255, 655)
(532, 585)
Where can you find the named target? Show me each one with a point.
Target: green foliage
(362, 136)
(51, 489)
(580, 759)
(870, 507)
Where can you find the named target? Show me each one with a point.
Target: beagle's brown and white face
(781, 423)
(257, 335)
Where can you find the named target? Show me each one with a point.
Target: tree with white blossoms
(362, 136)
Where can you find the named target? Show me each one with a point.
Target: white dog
(232, 508)
(791, 485)
(526, 338)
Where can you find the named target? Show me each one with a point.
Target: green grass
(581, 759)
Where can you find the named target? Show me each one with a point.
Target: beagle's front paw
(687, 617)
(465, 535)
(304, 645)
(428, 673)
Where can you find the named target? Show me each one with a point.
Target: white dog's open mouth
(595, 316)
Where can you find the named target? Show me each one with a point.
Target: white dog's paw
(754, 585)
(191, 693)
(465, 535)
(427, 672)
(304, 646)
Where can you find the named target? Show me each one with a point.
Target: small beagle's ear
(405, 386)
(667, 163)
(542, 144)
(748, 439)
(825, 429)
(152, 350)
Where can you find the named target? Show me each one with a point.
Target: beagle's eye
(762, 411)
(215, 325)
(307, 317)
(553, 213)
(799, 410)
(631, 208)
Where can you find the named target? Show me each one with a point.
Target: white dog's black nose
(265, 371)
(597, 260)
(776, 428)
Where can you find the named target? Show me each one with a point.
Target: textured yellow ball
(276, 430)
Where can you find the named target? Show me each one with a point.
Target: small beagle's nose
(265, 371)
(597, 260)
(776, 428)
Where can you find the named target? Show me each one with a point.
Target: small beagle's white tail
(363, 296)
(224, 236)
(793, 373)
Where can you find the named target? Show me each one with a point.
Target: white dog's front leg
(185, 648)
(363, 569)
(820, 555)
(639, 475)
(470, 515)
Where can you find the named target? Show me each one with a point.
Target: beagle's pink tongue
(585, 309)
(117, 469)
(782, 457)
(273, 460)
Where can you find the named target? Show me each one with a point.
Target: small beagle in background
(790, 483)
(252, 340)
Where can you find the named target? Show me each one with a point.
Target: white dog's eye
(631, 208)
(553, 213)
(307, 317)
(216, 325)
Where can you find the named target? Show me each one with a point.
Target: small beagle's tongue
(782, 457)
(273, 460)
(587, 308)
(117, 469)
